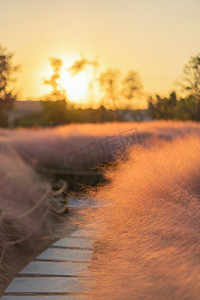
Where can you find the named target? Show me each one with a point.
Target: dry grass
(23, 211)
(151, 213)
(60, 147)
(149, 224)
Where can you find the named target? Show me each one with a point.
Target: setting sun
(76, 86)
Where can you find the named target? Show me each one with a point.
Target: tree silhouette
(165, 108)
(191, 77)
(54, 106)
(7, 70)
(132, 87)
(57, 93)
(7, 93)
(79, 65)
(120, 93)
(109, 84)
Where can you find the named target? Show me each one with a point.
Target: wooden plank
(83, 233)
(55, 268)
(59, 254)
(47, 285)
(74, 242)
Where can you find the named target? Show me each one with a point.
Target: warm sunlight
(99, 149)
(76, 86)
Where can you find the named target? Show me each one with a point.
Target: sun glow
(76, 86)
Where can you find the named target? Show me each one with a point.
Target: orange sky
(154, 37)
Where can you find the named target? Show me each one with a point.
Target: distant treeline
(57, 113)
(166, 108)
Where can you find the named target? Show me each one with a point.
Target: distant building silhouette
(23, 108)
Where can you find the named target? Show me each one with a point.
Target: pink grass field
(149, 225)
(52, 147)
(149, 243)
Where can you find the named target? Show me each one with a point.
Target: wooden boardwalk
(59, 272)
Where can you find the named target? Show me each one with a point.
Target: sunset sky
(154, 37)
